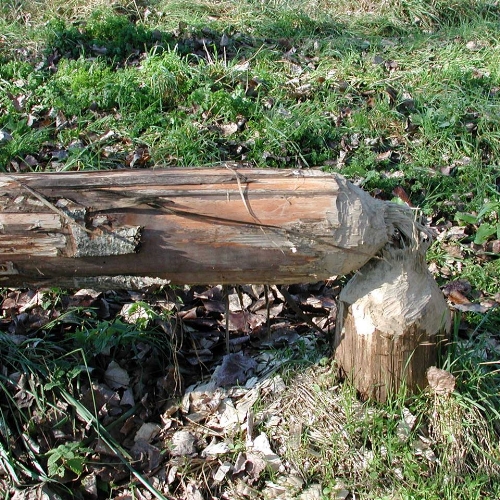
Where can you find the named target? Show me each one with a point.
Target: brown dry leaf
(147, 432)
(235, 304)
(262, 446)
(441, 381)
(5, 137)
(477, 308)
(101, 398)
(302, 90)
(89, 483)
(421, 447)
(18, 101)
(392, 93)
(84, 298)
(235, 369)
(193, 492)
(402, 195)
(190, 314)
(249, 466)
(214, 305)
(113, 473)
(196, 357)
(183, 444)
(139, 157)
(313, 492)
(493, 246)
(391, 65)
(29, 162)
(116, 377)
(405, 425)
(228, 129)
(475, 45)
(252, 90)
(241, 67)
(462, 286)
(215, 449)
(35, 493)
(238, 321)
(222, 472)
(147, 454)
(384, 156)
(17, 300)
(457, 297)
(454, 233)
(61, 120)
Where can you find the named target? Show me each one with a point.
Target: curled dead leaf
(147, 432)
(116, 377)
(183, 444)
(440, 381)
(5, 137)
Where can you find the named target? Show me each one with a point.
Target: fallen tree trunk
(186, 226)
(130, 229)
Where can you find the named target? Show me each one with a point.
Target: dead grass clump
(465, 440)
(316, 415)
(327, 436)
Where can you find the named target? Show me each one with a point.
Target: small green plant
(486, 223)
(108, 335)
(67, 457)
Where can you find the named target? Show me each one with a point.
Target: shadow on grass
(118, 39)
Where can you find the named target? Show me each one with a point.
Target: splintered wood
(221, 225)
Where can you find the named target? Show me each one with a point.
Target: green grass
(45, 377)
(171, 87)
(399, 93)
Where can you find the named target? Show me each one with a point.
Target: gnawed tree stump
(186, 226)
(391, 321)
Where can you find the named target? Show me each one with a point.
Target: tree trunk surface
(122, 228)
(392, 321)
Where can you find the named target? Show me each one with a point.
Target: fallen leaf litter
(212, 422)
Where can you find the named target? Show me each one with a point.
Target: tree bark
(186, 226)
